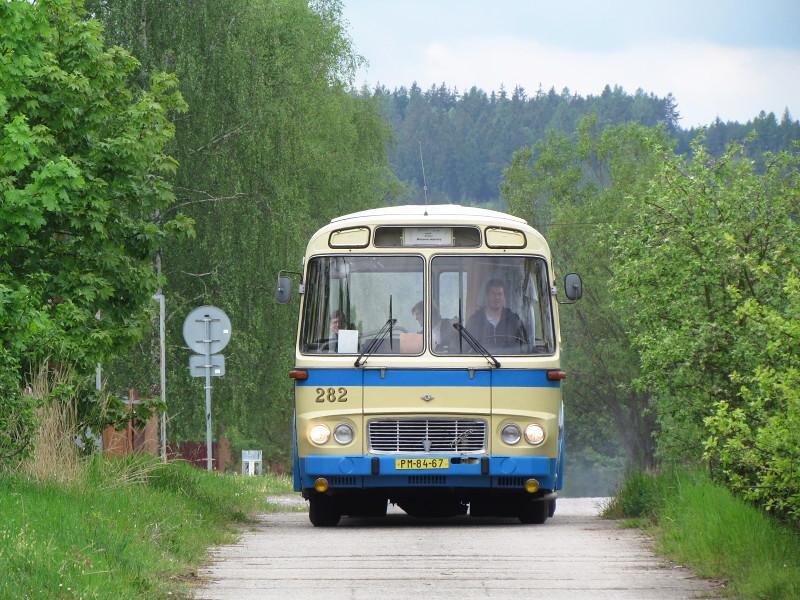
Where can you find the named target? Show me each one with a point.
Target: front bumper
(502, 472)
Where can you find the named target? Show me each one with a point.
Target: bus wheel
(323, 511)
(552, 510)
(534, 513)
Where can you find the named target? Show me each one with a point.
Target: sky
(728, 59)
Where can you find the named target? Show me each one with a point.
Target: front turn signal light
(531, 486)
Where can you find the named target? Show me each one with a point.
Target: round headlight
(510, 434)
(320, 434)
(343, 433)
(534, 434)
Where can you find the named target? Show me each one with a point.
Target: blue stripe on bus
(428, 377)
(522, 378)
(332, 377)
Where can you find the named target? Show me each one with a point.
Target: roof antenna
(424, 181)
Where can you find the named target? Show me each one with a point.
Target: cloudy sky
(726, 58)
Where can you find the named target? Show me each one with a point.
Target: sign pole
(207, 330)
(208, 341)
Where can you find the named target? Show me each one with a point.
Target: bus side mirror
(283, 291)
(573, 286)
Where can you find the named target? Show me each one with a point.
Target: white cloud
(708, 80)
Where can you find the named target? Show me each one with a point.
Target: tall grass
(131, 528)
(701, 524)
(55, 456)
(78, 527)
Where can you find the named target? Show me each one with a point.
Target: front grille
(510, 481)
(427, 480)
(430, 436)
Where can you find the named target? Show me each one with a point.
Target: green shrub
(754, 448)
(640, 495)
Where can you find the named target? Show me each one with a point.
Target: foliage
(754, 445)
(273, 147)
(701, 524)
(87, 539)
(581, 191)
(18, 414)
(83, 175)
(640, 495)
(705, 260)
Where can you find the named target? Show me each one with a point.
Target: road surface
(574, 555)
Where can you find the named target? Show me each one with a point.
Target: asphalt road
(574, 555)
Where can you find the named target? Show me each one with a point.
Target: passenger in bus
(440, 331)
(494, 324)
(337, 322)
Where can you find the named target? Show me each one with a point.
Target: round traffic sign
(207, 330)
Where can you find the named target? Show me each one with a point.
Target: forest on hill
(467, 139)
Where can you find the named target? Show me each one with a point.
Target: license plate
(421, 463)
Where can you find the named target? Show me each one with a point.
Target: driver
(494, 324)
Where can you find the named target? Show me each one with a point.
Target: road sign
(199, 362)
(207, 321)
(207, 330)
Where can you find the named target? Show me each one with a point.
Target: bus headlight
(320, 434)
(510, 434)
(343, 433)
(534, 434)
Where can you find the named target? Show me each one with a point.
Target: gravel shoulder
(576, 554)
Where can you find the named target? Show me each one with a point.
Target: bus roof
(430, 210)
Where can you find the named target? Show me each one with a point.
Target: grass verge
(701, 524)
(128, 528)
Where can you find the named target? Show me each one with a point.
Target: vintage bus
(427, 370)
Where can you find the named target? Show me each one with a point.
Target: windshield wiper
(476, 345)
(373, 345)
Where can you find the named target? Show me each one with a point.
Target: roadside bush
(755, 448)
(17, 417)
(640, 495)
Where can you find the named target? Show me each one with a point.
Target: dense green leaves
(688, 328)
(581, 191)
(82, 176)
(713, 244)
(272, 147)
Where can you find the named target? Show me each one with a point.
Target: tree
(83, 175)
(273, 146)
(581, 192)
(709, 258)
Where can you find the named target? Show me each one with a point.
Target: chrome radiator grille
(387, 436)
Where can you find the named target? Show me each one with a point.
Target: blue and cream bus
(427, 370)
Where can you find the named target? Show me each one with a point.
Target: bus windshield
(503, 301)
(349, 300)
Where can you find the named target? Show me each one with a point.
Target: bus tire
(552, 507)
(323, 512)
(534, 512)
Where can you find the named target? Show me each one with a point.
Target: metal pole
(208, 340)
(162, 340)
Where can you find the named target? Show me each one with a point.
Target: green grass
(131, 528)
(701, 524)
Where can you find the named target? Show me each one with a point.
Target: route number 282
(331, 394)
